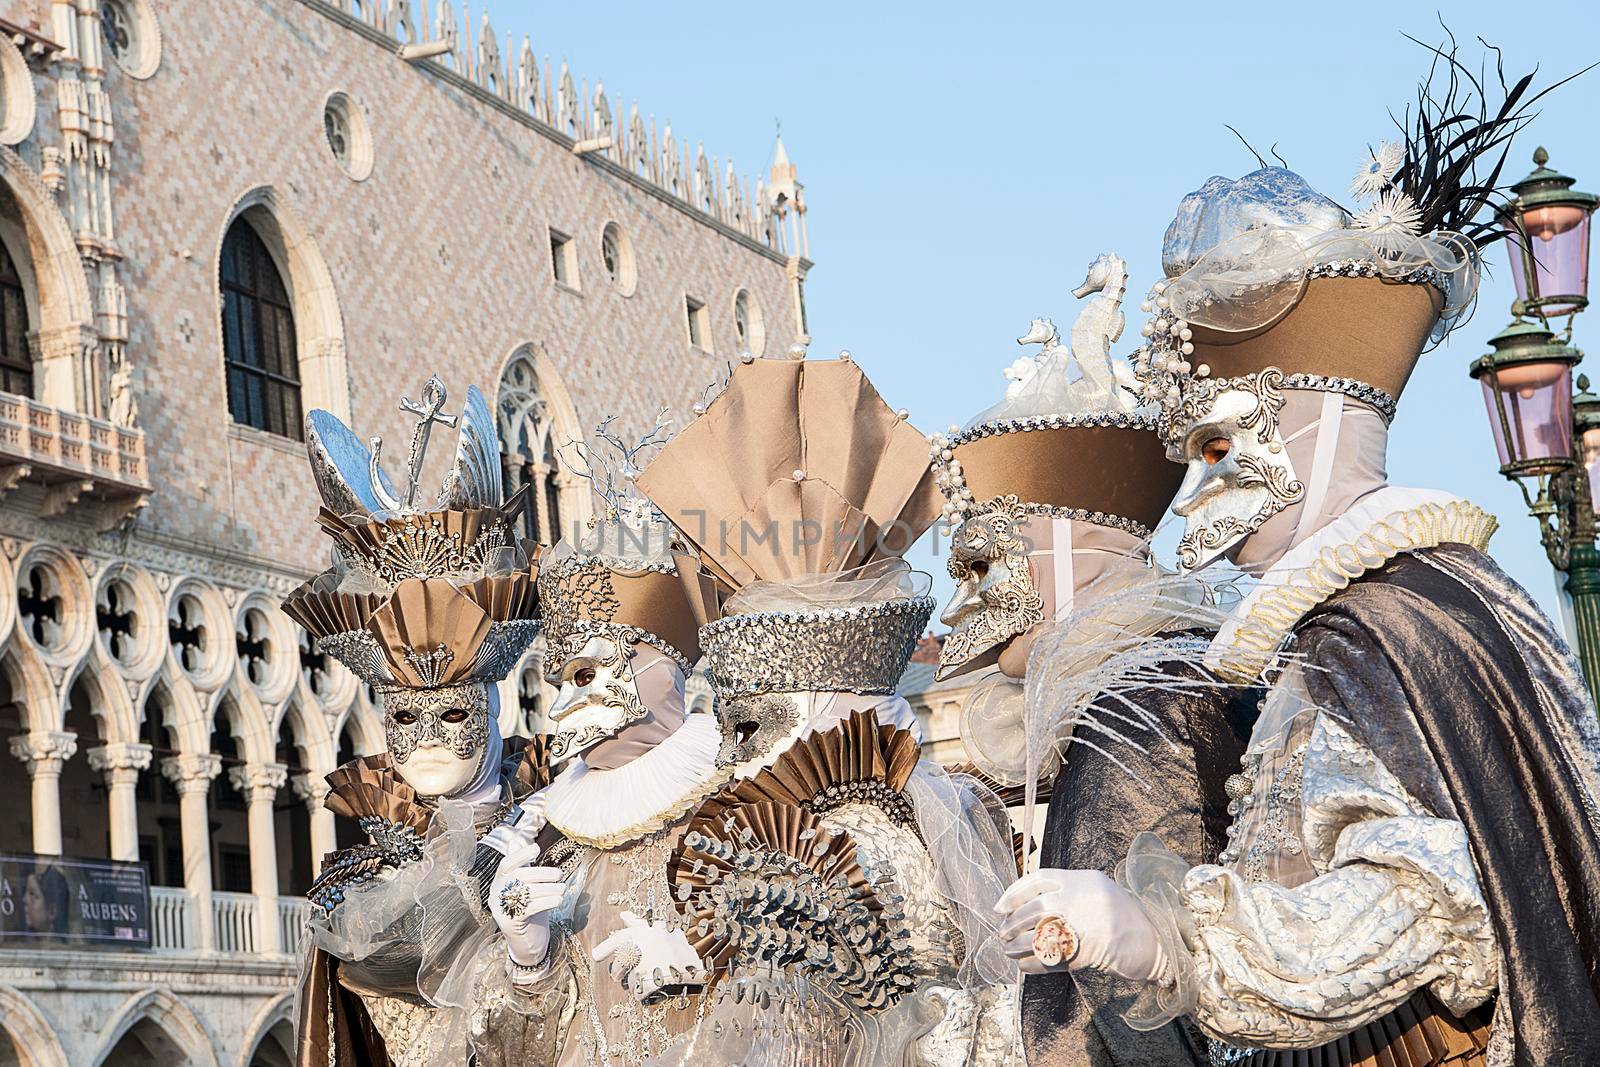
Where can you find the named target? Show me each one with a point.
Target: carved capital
(258, 782)
(44, 751)
(191, 772)
(311, 788)
(120, 763)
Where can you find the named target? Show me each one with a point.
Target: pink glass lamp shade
(1551, 267)
(1527, 389)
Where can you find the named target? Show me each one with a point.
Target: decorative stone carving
(310, 788)
(122, 762)
(258, 782)
(44, 751)
(191, 772)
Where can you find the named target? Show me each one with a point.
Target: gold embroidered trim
(1276, 611)
(665, 817)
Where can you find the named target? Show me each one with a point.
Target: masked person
(1414, 870)
(1052, 494)
(840, 887)
(584, 908)
(431, 602)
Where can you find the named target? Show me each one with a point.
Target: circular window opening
(42, 606)
(186, 629)
(349, 138)
(616, 255)
(118, 622)
(747, 324)
(253, 642)
(131, 35)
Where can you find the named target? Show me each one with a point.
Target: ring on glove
(1054, 942)
(515, 896)
(624, 962)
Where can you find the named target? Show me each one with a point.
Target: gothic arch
(66, 316)
(310, 732)
(31, 1031)
(188, 721)
(31, 687)
(171, 1016)
(318, 322)
(536, 418)
(365, 723)
(275, 1012)
(238, 709)
(109, 700)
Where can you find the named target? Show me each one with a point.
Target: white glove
(521, 898)
(1112, 931)
(520, 832)
(647, 957)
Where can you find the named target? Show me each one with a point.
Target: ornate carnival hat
(420, 596)
(1067, 443)
(800, 489)
(629, 576)
(1272, 286)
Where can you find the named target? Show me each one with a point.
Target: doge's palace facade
(216, 215)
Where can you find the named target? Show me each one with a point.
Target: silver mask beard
(996, 597)
(598, 697)
(1226, 432)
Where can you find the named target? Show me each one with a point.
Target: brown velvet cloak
(1442, 665)
(1096, 810)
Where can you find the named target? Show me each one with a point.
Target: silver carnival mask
(598, 697)
(438, 736)
(753, 727)
(1239, 475)
(996, 596)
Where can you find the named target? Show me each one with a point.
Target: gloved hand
(650, 958)
(517, 833)
(521, 898)
(1111, 929)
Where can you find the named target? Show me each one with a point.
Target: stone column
(259, 783)
(43, 753)
(314, 789)
(191, 773)
(121, 764)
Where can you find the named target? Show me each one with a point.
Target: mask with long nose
(996, 595)
(1238, 473)
(598, 695)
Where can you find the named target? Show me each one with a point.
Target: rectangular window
(699, 322)
(563, 260)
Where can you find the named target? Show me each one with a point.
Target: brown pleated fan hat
(797, 467)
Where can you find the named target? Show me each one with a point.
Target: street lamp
(1549, 440)
(1549, 224)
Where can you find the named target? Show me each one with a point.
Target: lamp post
(1549, 440)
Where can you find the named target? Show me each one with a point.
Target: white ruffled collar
(1377, 528)
(606, 808)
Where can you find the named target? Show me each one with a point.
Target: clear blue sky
(963, 163)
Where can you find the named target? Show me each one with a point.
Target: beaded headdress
(421, 595)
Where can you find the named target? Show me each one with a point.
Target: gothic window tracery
(529, 450)
(258, 336)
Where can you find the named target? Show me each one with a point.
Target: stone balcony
(72, 461)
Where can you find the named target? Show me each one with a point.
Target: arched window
(16, 362)
(258, 341)
(528, 450)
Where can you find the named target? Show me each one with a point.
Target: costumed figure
(431, 602)
(1052, 494)
(840, 888)
(582, 898)
(1413, 875)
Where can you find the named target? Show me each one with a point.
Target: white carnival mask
(437, 737)
(598, 696)
(1226, 432)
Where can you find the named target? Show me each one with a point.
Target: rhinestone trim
(1127, 420)
(860, 649)
(1354, 387)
